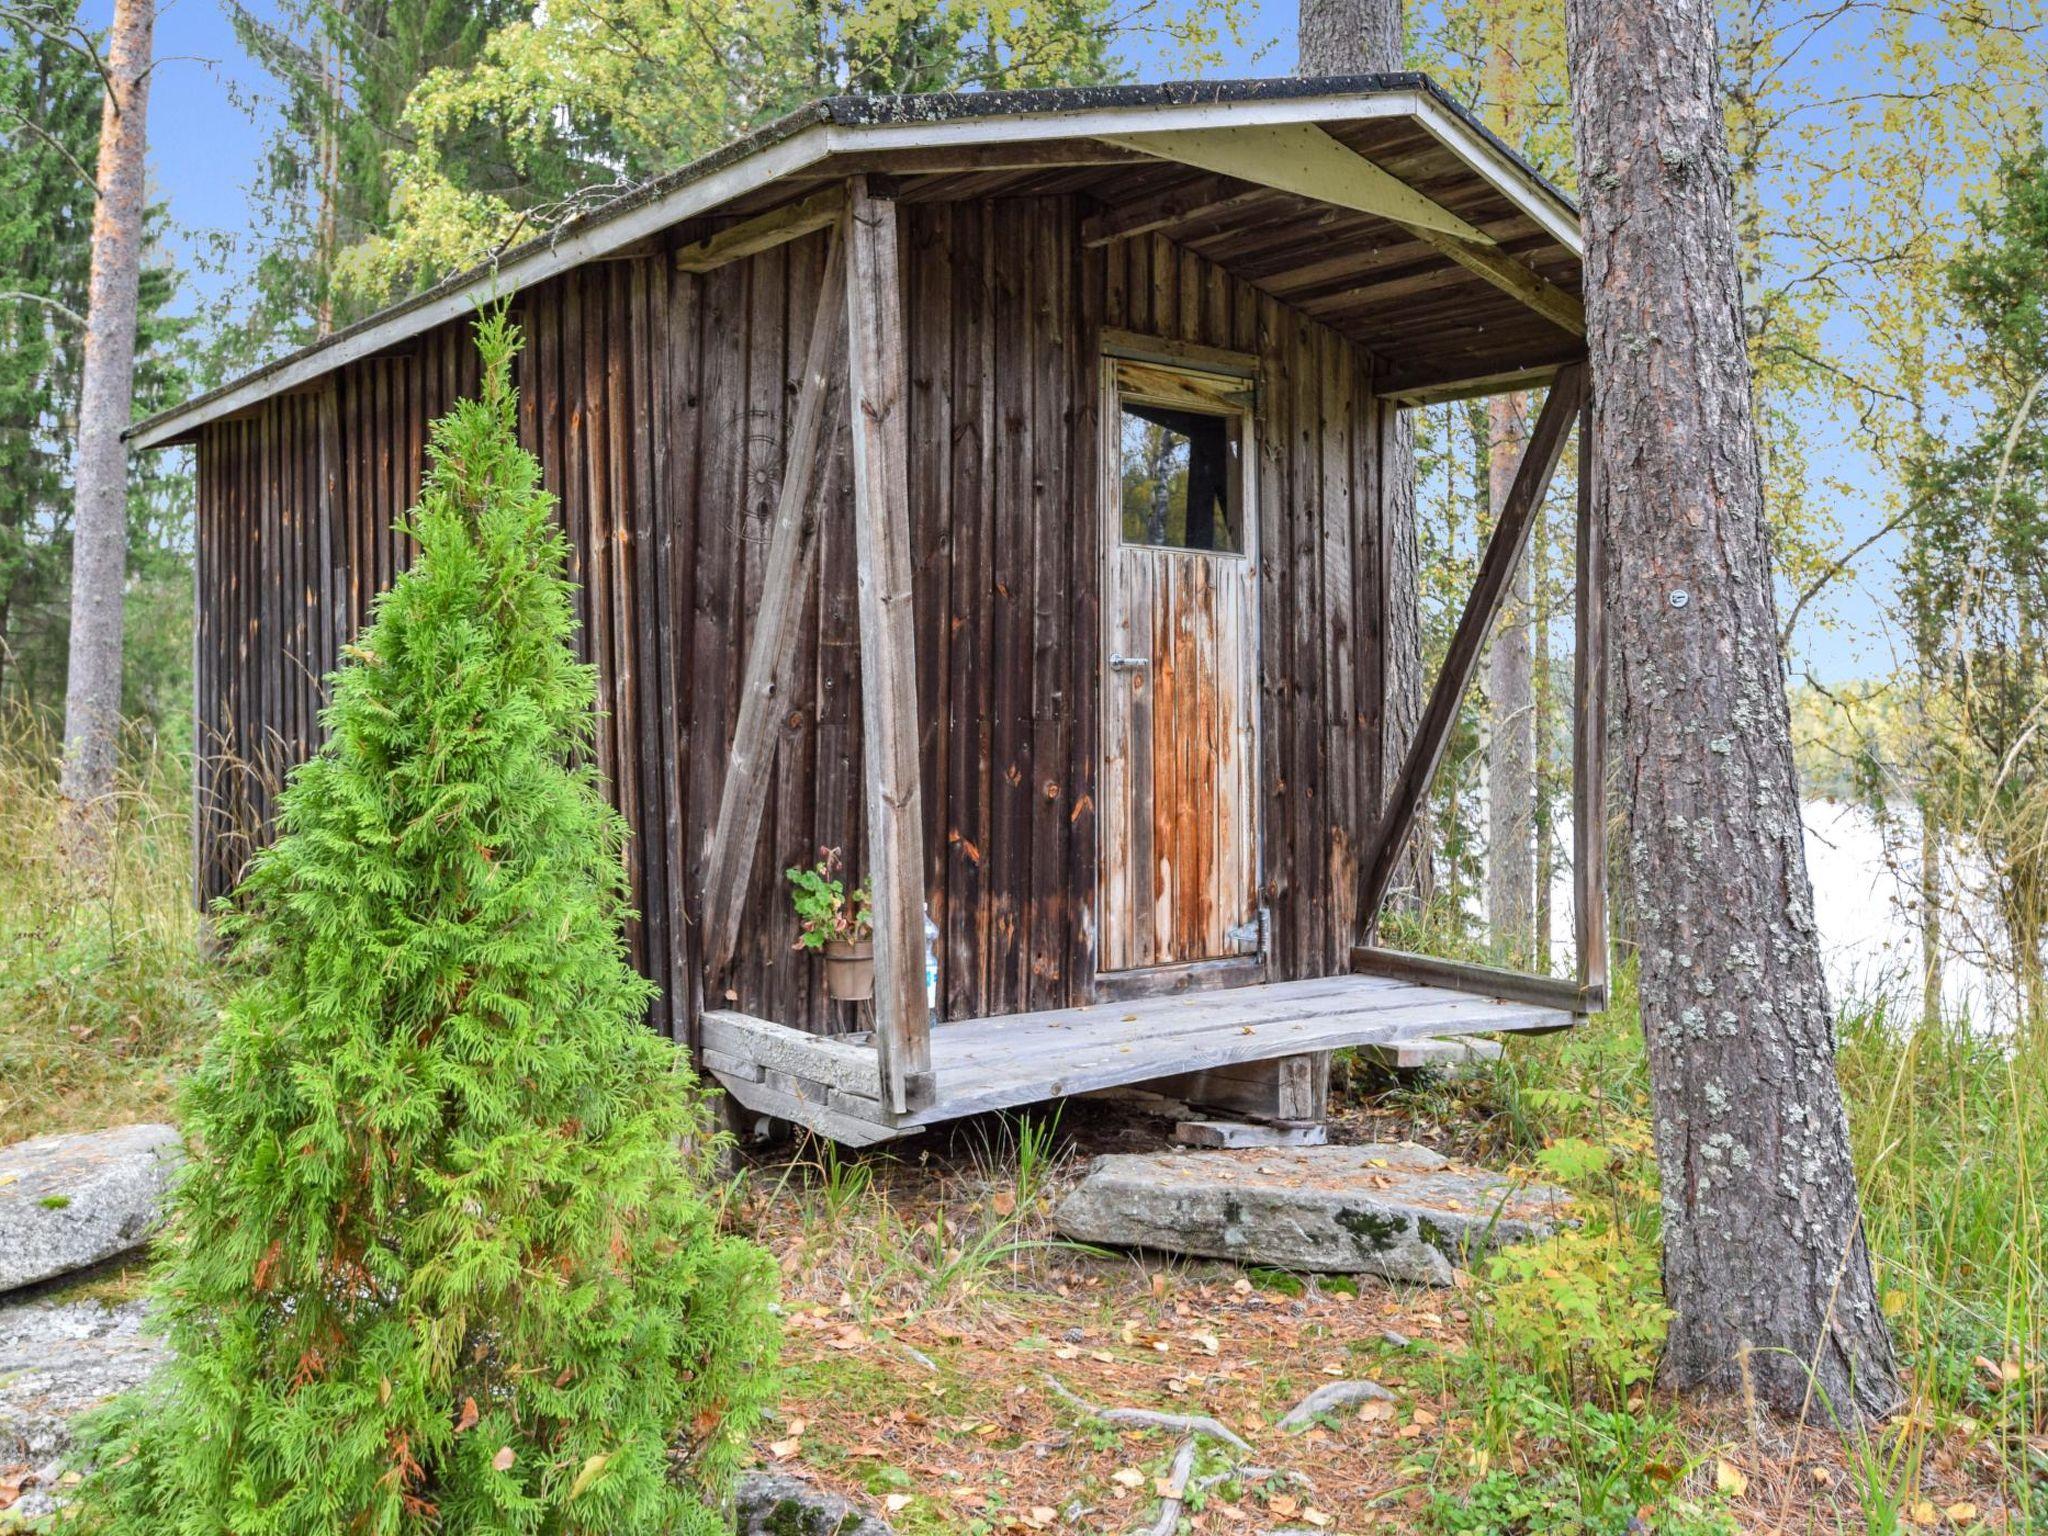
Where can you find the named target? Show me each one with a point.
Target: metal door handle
(1120, 663)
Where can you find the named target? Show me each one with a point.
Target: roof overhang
(847, 132)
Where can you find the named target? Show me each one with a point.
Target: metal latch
(1121, 663)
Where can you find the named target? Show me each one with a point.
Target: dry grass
(103, 990)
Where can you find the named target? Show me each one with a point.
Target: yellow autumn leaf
(592, 1465)
(1730, 1479)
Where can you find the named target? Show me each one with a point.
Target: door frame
(1210, 365)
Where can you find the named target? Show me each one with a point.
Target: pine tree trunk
(1348, 37)
(99, 553)
(1764, 1253)
(1511, 700)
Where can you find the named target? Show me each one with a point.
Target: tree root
(1329, 1396)
(1184, 1423)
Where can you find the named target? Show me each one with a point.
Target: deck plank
(1019, 1059)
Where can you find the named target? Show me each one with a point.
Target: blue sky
(210, 118)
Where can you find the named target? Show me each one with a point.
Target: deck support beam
(878, 384)
(1504, 550)
(814, 437)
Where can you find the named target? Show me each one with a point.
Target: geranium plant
(826, 912)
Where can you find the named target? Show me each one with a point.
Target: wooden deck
(834, 1085)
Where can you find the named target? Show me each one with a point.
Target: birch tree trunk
(1765, 1265)
(99, 550)
(1352, 37)
(1511, 700)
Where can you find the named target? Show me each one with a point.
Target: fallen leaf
(896, 1503)
(1128, 1477)
(502, 1462)
(1004, 1203)
(1730, 1479)
(1209, 1342)
(1961, 1514)
(592, 1465)
(466, 1420)
(782, 1450)
(1315, 1517)
(1286, 1506)
(1424, 1416)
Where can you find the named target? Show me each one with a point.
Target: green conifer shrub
(445, 1258)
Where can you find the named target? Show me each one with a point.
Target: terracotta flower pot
(850, 970)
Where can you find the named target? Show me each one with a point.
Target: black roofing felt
(871, 111)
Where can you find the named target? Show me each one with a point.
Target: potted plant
(837, 925)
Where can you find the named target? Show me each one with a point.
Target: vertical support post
(878, 385)
(1589, 732)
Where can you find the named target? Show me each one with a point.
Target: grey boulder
(1395, 1210)
(69, 1202)
(772, 1504)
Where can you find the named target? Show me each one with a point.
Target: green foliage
(1976, 584)
(1611, 1469)
(565, 108)
(344, 70)
(826, 913)
(1584, 1312)
(445, 1260)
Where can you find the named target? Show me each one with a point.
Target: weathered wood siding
(657, 403)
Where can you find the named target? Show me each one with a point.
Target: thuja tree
(445, 1259)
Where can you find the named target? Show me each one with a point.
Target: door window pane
(1182, 474)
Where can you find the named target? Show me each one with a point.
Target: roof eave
(841, 126)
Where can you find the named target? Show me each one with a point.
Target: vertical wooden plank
(649, 743)
(928, 276)
(1014, 537)
(1050, 896)
(1086, 473)
(682, 333)
(1589, 729)
(1340, 849)
(969, 828)
(877, 386)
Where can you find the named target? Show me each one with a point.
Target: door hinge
(1249, 938)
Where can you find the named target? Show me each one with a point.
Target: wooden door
(1179, 854)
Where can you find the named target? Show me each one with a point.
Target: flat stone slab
(1395, 1210)
(58, 1359)
(69, 1202)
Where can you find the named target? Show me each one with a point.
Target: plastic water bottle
(931, 960)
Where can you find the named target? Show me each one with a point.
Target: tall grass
(103, 986)
(1949, 1125)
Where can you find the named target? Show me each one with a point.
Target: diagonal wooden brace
(1482, 607)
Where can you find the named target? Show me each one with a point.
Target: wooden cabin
(991, 487)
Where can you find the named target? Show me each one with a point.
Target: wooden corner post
(1589, 732)
(878, 384)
